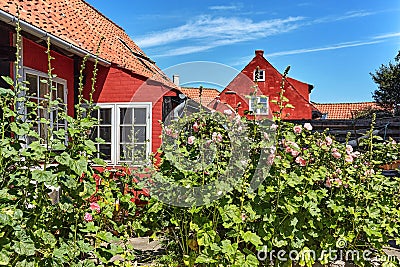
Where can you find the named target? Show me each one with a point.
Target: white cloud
(225, 7)
(387, 35)
(348, 15)
(209, 30)
(324, 48)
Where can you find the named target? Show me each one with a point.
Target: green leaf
(252, 238)
(26, 248)
(8, 80)
(4, 258)
(79, 166)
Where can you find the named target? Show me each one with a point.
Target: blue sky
(333, 45)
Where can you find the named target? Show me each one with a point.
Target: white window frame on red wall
(259, 79)
(257, 110)
(116, 126)
(41, 75)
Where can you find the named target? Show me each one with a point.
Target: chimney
(175, 79)
(260, 53)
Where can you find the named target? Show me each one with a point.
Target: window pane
(105, 133)
(126, 116)
(60, 91)
(105, 151)
(32, 79)
(253, 103)
(126, 134)
(93, 133)
(140, 116)
(125, 152)
(140, 134)
(42, 88)
(139, 152)
(105, 116)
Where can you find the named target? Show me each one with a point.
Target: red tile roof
(208, 95)
(343, 111)
(80, 24)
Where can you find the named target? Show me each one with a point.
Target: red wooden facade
(126, 77)
(237, 93)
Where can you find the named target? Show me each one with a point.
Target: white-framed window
(259, 105)
(259, 75)
(126, 131)
(37, 91)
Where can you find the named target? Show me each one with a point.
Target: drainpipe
(29, 28)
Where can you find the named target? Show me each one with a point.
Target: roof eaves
(29, 28)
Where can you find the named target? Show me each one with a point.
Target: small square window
(259, 76)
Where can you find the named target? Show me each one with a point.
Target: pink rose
(191, 140)
(307, 126)
(328, 141)
(88, 217)
(297, 129)
(95, 206)
(349, 149)
(336, 154)
(348, 158)
(195, 127)
(301, 161)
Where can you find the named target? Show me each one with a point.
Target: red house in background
(237, 93)
(131, 90)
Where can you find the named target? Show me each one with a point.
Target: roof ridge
(104, 16)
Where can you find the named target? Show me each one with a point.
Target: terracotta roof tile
(343, 111)
(209, 94)
(80, 24)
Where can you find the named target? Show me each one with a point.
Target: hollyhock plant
(191, 140)
(297, 129)
(196, 127)
(302, 162)
(88, 217)
(307, 126)
(95, 206)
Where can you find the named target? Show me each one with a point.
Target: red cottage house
(237, 93)
(130, 89)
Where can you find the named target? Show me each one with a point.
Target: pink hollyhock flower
(339, 171)
(295, 153)
(297, 129)
(288, 149)
(394, 142)
(336, 154)
(191, 140)
(88, 217)
(208, 143)
(168, 131)
(328, 182)
(95, 206)
(338, 181)
(355, 154)
(228, 112)
(196, 127)
(349, 149)
(219, 137)
(348, 158)
(274, 126)
(214, 136)
(307, 126)
(301, 161)
(270, 159)
(328, 141)
(266, 136)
